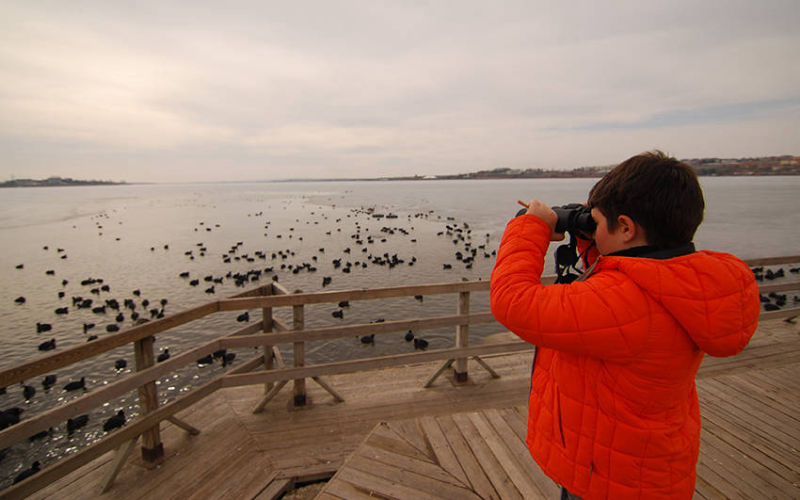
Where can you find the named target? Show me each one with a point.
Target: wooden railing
(267, 334)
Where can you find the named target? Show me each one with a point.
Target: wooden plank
(148, 398)
(763, 441)
(518, 450)
(429, 486)
(120, 457)
(275, 488)
(704, 491)
(462, 334)
(788, 471)
(369, 364)
(382, 436)
(409, 430)
(786, 430)
(491, 467)
(335, 332)
(472, 469)
(340, 488)
(772, 261)
(785, 405)
(323, 297)
(374, 454)
(440, 447)
(504, 456)
(751, 478)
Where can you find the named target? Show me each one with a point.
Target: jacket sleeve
(605, 316)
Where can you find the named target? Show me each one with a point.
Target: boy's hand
(544, 212)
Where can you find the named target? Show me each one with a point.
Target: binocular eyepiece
(574, 218)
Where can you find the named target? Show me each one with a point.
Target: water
(140, 237)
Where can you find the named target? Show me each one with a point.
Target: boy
(613, 409)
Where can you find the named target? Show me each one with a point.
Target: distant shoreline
(705, 167)
(57, 182)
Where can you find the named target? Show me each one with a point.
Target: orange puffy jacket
(613, 410)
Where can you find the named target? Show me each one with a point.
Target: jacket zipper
(560, 426)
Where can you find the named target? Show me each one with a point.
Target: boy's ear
(630, 231)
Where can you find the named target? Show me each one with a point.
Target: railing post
(462, 337)
(266, 317)
(152, 447)
(298, 323)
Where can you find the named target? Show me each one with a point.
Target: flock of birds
(101, 308)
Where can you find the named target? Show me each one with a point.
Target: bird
(76, 423)
(245, 316)
(338, 314)
(114, 422)
(28, 391)
(49, 381)
(112, 328)
(163, 356)
(409, 336)
(9, 417)
(420, 343)
(368, 339)
(206, 360)
(35, 467)
(43, 327)
(76, 384)
(48, 345)
(228, 358)
(20, 300)
(120, 364)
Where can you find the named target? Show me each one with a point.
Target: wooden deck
(392, 438)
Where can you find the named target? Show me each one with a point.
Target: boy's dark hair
(658, 192)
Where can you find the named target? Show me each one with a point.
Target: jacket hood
(712, 295)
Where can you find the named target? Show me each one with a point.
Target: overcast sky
(204, 91)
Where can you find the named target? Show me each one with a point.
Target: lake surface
(141, 237)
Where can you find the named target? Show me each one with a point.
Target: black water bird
(114, 422)
(120, 364)
(163, 356)
(43, 327)
(40, 435)
(76, 423)
(62, 310)
(220, 353)
(418, 297)
(206, 360)
(420, 343)
(76, 384)
(338, 314)
(409, 336)
(344, 303)
(112, 328)
(49, 381)
(35, 467)
(244, 317)
(28, 391)
(9, 417)
(48, 345)
(87, 327)
(228, 358)
(91, 337)
(368, 339)
(20, 300)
